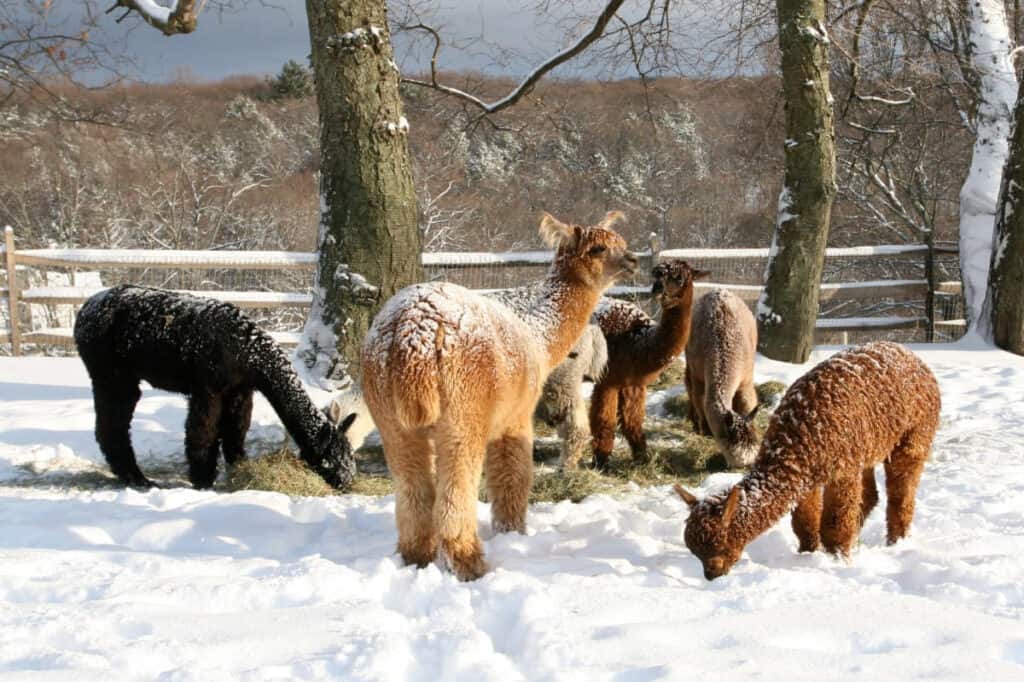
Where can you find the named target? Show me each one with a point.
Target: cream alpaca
(720, 374)
(451, 379)
(874, 404)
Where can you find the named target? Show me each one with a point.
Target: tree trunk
(788, 309)
(1004, 307)
(369, 240)
(989, 46)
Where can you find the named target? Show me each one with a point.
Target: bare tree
(1003, 313)
(989, 46)
(788, 309)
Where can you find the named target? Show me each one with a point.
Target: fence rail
(442, 265)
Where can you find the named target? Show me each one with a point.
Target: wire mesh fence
(872, 286)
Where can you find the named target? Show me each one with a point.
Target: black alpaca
(210, 351)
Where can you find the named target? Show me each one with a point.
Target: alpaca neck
(767, 496)
(673, 330)
(559, 316)
(276, 380)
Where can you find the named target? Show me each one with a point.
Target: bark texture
(369, 242)
(788, 308)
(1005, 302)
(990, 48)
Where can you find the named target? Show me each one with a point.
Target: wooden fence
(443, 265)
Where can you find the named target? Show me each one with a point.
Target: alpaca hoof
(467, 567)
(808, 547)
(507, 526)
(420, 557)
(641, 456)
(138, 482)
(601, 463)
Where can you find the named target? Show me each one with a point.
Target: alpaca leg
(745, 399)
(201, 440)
(509, 471)
(575, 434)
(695, 396)
(632, 410)
(869, 494)
(236, 415)
(806, 521)
(460, 454)
(410, 460)
(115, 404)
(840, 515)
(604, 403)
(902, 474)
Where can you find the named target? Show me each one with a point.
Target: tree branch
(530, 81)
(180, 17)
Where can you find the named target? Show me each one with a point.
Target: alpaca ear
(753, 413)
(699, 275)
(687, 496)
(344, 427)
(553, 231)
(334, 412)
(611, 218)
(731, 503)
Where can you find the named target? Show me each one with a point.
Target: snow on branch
(178, 17)
(528, 83)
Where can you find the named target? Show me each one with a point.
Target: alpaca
(451, 379)
(720, 374)
(562, 404)
(350, 404)
(872, 404)
(210, 351)
(638, 350)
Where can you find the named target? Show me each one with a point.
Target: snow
(991, 48)
(144, 257)
(156, 11)
(177, 584)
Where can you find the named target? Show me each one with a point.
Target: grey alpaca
(720, 374)
(562, 404)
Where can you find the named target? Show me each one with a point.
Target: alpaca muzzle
(630, 263)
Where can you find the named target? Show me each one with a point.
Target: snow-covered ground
(178, 585)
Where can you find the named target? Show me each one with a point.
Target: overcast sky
(258, 40)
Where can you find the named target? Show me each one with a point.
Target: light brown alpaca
(872, 404)
(638, 350)
(720, 374)
(451, 379)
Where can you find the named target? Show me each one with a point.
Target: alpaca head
(333, 460)
(672, 280)
(707, 531)
(594, 256)
(741, 439)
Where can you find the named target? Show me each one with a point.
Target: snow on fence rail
(440, 263)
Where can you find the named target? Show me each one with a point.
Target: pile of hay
(676, 453)
(280, 472)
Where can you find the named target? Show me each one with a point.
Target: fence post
(654, 243)
(12, 291)
(929, 294)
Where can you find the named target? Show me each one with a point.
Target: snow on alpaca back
(839, 398)
(622, 318)
(440, 318)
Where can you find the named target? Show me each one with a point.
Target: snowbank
(184, 585)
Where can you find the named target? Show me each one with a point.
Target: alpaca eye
(597, 250)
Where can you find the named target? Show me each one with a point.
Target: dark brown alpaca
(638, 350)
(873, 404)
